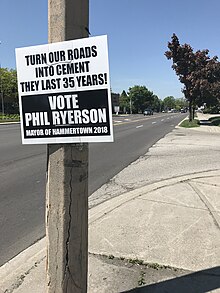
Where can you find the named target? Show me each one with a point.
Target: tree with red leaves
(197, 71)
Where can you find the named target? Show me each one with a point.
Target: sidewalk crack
(173, 204)
(209, 206)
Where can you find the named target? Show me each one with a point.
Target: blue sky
(138, 32)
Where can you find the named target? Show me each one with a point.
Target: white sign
(64, 92)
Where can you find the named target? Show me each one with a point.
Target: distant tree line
(8, 91)
(138, 98)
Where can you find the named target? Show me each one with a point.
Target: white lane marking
(154, 122)
(118, 121)
(168, 118)
(139, 126)
(127, 119)
(162, 119)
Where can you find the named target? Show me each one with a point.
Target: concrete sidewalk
(155, 227)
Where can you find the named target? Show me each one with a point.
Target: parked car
(183, 110)
(148, 112)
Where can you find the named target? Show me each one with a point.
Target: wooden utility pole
(67, 176)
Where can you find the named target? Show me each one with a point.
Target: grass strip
(189, 124)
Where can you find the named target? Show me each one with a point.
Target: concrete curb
(8, 123)
(13, 272)
(98, 211)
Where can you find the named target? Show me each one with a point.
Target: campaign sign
(64, 92)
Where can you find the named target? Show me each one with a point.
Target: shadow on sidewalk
(199, 282)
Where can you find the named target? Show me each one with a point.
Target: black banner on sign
(67, 114)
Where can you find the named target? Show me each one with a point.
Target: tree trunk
(193, 115)
(190, 110)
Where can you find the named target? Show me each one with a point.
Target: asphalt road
(133, 136)
(22, 173)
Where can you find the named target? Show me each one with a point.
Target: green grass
(215, 120)
(187, 124)
(9, 118)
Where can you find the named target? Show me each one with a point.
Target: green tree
(156, 105)
(124, 102)
(8, 89)
(169, 103)
(141, 98)
(181, 103)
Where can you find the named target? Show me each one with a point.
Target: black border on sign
(91, 100)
